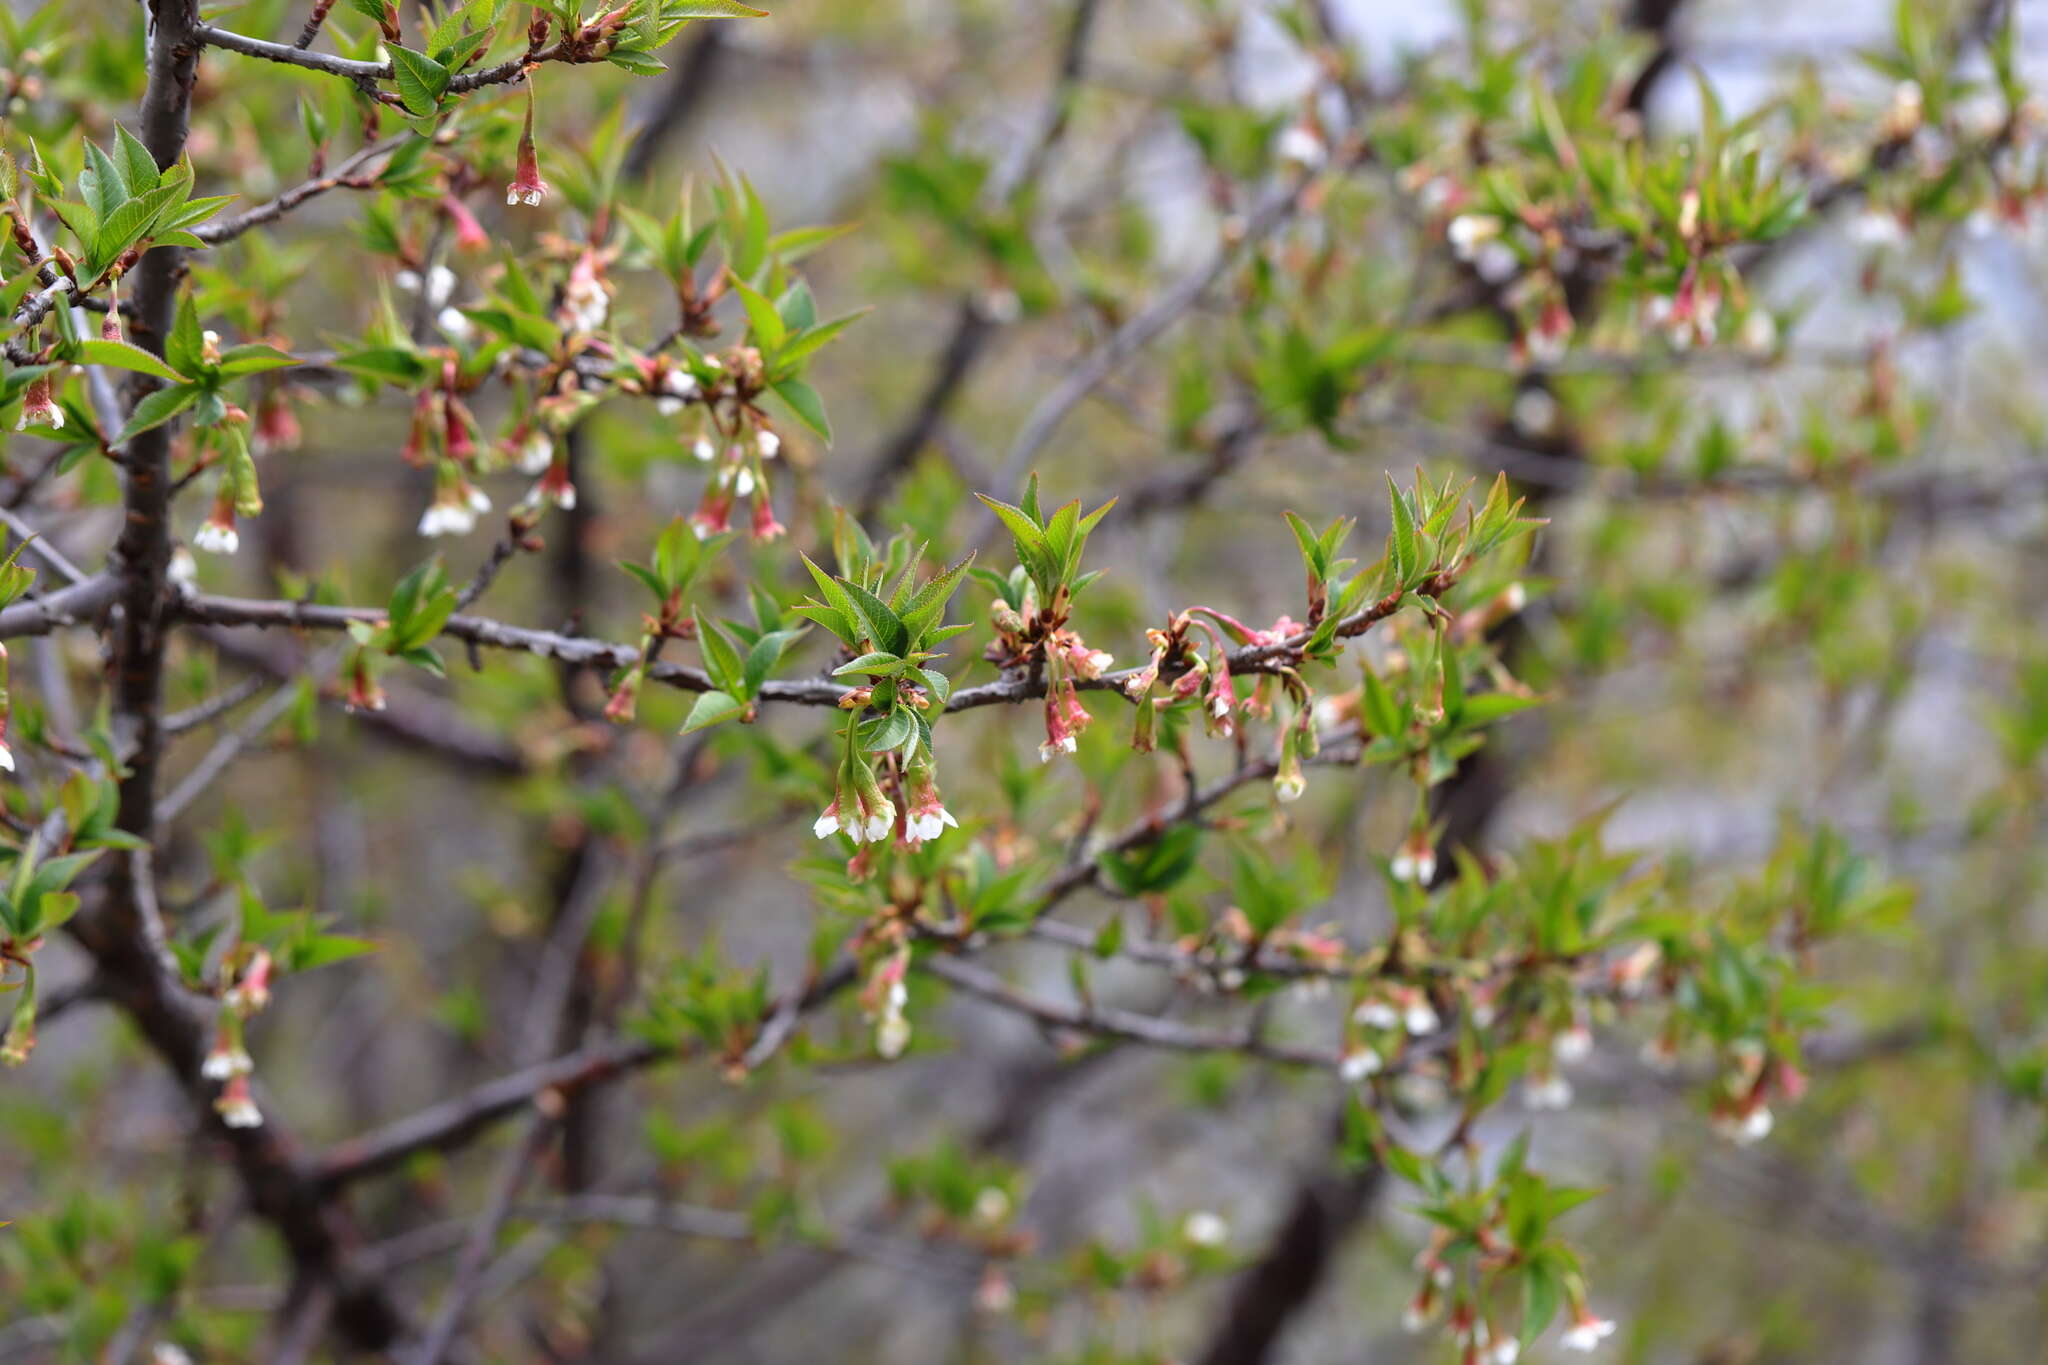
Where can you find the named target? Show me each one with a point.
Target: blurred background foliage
(1784, 619)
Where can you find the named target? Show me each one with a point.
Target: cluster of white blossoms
(454, 510)
(861, 822)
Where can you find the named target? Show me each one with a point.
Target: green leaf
(711, 708)
(137, 165)
(890, 732)
(1404, 550)
(186, 348)
(124, 356)
(1542, 1293)
(767, 324)
(803, 400)
(421, 80)
(253, 358)
(101, 183)
(156, 409)
(638, 62)
(711, 9)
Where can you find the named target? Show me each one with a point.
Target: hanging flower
(236, 1106)
(586, 298)
(251, 991)
(38, 408)
(1415, 860)
(554, 486)
(1587, 1331)
(469, 233)
(527, 187)
(927, 817)
(218, 535)
(226, 1060)
(456, 506)
(714, 512)
(532, 449)
(765, 526)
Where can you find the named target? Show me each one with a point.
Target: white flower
(6, 756)
(529, 197)
(826, 825)
(452, 518)
(668, 407)
(1376, 1014)
(478, 500)
(679, 384)
(1547, 1092)
(1289, 786)
(1506, 1351)
(991, 1205)
(1877, 228)
(1204, 1229)
(1299, 146)
(224, 1064)
(1758, 334)
(930, 824)
(880, 823)
(1421, 1017)
(241, 1113)
(743, 482)
(168, 1353)
(1050, 750)
(703, 449)
(1469, 231)
(1575, 1044)
(892, 1036)
(183, 570)
(536, 452)
(407, 280)
(1359, 1064)
(217, 539)
(1516, 596)
(1587, 1333)
(1412, 867)
(455, 323)
(768, 443)
(1414, 1318)
(1745, 1130)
